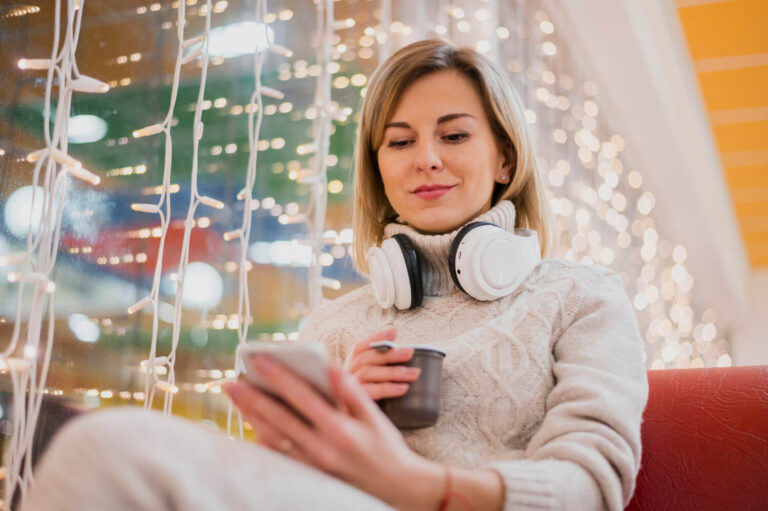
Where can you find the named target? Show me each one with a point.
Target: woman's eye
(398, 143)
(456, 137)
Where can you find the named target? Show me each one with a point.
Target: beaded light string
(33, 267)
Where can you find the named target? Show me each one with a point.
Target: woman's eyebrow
(440, 120)
(450, 117)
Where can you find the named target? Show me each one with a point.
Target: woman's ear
(510, 159)
(507, 171)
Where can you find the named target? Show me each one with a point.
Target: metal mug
(420, 406)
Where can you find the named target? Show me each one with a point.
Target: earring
(502, 178)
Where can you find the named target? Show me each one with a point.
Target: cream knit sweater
(547, 386)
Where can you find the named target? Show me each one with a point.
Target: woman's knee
(102, 433)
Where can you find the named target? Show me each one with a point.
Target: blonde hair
(372, 210)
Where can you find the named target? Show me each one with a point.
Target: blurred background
(650, 119)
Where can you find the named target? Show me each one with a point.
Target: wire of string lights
(317, 178)
(384, 37)
(255, 118)
(20, 359)
(322, 135)
(194, 201)
(155, 366)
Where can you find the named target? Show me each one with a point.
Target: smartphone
(308, 361)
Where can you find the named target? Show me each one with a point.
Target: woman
(543, 382)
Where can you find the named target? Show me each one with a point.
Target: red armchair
(705, 441)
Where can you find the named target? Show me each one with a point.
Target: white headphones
(486, 262)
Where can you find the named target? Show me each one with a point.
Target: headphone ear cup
(488, 262)
(454, 253)
(412, 261)
(382, 277)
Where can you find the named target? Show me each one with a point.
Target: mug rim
(427, 347)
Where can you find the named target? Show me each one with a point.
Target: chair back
(705, 441)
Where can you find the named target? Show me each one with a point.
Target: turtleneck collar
(435, 248)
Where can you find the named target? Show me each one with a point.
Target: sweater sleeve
(586, 453)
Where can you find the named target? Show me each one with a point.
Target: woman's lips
(433, 193)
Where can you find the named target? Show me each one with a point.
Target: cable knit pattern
(547, 386)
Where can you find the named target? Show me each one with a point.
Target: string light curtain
(263, 145)
(26, 358)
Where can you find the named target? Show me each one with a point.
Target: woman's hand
(371, 368)
(353, 441)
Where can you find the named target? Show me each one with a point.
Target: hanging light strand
(20, 359)
(255, 117)
(384, 36)
(169, 384)
(321, 143)
(153, 382)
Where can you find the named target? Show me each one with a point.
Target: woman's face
(439, 159)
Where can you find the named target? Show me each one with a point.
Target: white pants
(131, 459)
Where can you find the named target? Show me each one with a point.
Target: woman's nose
(427, 158)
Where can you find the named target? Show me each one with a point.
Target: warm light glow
(21, 211)
(83, 328)
(241, 38)
(35, 64)
(203, 287)
(84, 129)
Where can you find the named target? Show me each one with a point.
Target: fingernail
(412, 370)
